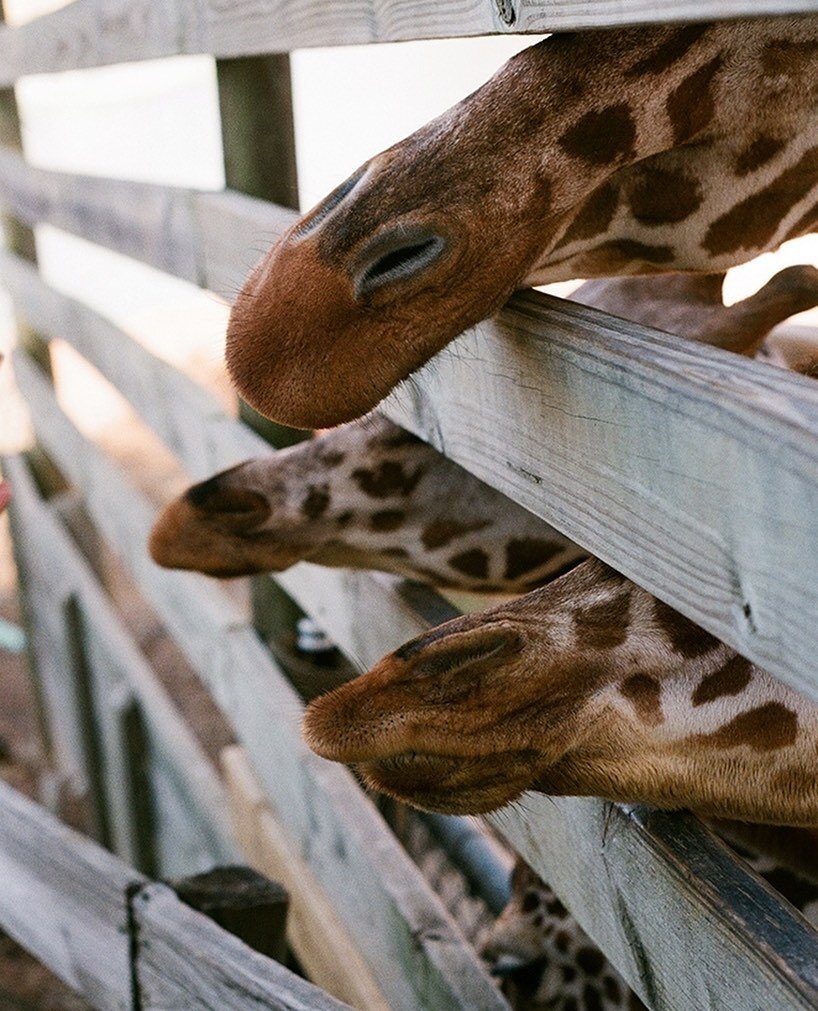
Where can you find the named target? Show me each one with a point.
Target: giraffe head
(587, 686)
(394, 263)
(587, 155)
(465, 718)
(363, 496)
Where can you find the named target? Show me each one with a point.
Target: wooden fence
(570, 404)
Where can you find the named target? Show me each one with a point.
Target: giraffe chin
(449, 784)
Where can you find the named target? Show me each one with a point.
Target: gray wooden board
(700, 918)
(90, 33)
(416, 953)
(102, 927)
(62, 898)
(191, 809)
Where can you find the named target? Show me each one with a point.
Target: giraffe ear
(234, 509)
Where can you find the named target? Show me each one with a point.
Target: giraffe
(624, 152)
(544, 957)
(374, 496)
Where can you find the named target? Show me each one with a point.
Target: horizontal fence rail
(738, 923)
(92, 33)
(119, 940)
(650, 451)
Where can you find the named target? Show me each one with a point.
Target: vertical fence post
(258, 138)
(85, 703)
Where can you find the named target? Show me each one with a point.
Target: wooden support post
(243, 902)
(82, 680)
(258, 139)
(136, 757)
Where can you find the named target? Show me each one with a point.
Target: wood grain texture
(330, 954)
(63, 899)
(89, 33)
(414, 950)
(189, 809)
(107, 932)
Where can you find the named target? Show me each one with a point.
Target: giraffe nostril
(323, 210)
(397, 256)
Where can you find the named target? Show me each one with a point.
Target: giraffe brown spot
(664, 196)
(556, 908)
(569, 973)
(758, 153)
(562, 941)
(729, 679)
(471, 563)
(345, 518)
(602, 137)
(387, 519)
(591, 999)
(783, 56)
(604, 625)
(394, 552)
(531, 901)
(669, 52)
(594, 216)
(387, 479)
(645, 694)
(331, 457)
(526, 553)
(538, 921)
(691, 106)
(611, 989)
(590, 960)
(439, 533)
(685, 636)
(753, 222)
(765, 728)
(316, 502)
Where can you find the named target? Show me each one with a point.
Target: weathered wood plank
(414, 950)
(210, 239)
(330, 954)
(189, 809)
(91, 33)
(155, 224)
(166, 399)
(118, 940)
(63, 899)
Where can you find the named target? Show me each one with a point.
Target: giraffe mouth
(452, 784)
